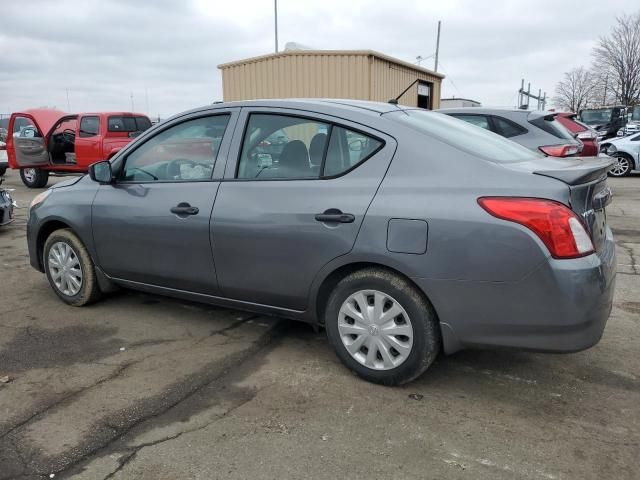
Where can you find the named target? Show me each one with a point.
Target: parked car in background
(6, 206)
(626, 151)
(536, 130)
(633, 125)
(605, 120)
(583, 132)
(45, 140)
(414, 232)
(4, 159)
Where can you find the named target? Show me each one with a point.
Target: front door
(294, 201)
(152, 225)
(26, 142)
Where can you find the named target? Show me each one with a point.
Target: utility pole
(606, 84)
(435, 68)
(132, 107)
(275, 11)
(68, 104)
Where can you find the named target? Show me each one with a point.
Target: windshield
(596, 116)
(464, 136)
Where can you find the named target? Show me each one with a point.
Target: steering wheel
(173, 167)
(68, 135)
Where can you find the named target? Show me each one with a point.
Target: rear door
(88, 143)
(26, 145)
(283, 213)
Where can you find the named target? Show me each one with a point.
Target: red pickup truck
(43, 141)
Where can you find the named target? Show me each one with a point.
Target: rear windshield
(550, 125)
(464, 136)
(128, 124)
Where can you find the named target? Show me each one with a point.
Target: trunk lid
(589, 194)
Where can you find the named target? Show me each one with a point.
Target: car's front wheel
(622, 167)
(69, 268)
(34, 177)
(382, 327)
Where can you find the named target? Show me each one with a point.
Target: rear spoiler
(588, 170)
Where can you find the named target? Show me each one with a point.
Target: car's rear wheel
(622, 167)
(382, 327)
(69, 268)
(34, 177)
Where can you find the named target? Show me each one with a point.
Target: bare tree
(617, 59)
(575, 91)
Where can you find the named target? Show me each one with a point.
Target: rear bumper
(562, 306)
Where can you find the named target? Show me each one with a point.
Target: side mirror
(101, 172)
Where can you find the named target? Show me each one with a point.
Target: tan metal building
(354, 74)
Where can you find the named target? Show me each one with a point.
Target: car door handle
(183, 209)
(335, 216)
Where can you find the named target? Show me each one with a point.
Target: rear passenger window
(507, 129)
(346, 150)
(280, 146)
(286, 147)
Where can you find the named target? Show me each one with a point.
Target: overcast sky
(166, 52)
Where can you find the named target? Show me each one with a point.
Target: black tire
(424, 324)
(3, 170)
(34, 177)
(623, 166)
(89, 290)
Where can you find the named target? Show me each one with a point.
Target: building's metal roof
(371, 53)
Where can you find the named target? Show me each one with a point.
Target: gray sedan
(402, 232)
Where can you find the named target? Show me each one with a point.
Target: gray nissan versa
(400, 231)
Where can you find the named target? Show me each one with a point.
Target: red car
(587, 135)
(43, 141)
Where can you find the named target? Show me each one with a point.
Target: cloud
(166, 53)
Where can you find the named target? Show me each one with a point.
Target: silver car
(537, 130)
(625, 151)
(400, 231)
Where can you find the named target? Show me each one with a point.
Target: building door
(424, 95)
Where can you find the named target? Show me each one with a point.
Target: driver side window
(182, 153)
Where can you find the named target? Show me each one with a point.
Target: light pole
(275, 12)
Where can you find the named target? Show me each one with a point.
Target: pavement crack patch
(66, 398)
(151, 408)
(232, 326)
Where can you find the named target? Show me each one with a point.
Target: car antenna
(394, 101)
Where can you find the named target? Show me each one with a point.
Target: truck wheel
(34, 177)
(382, 327)
(3, 170)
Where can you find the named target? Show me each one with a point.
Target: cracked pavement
(145, 387)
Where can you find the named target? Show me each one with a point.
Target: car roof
(327, 105)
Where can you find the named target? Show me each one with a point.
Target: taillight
(556, 225)
(560, 150)
(587, 135)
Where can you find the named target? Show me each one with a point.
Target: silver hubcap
(620, 167)
(375, 329)
(65, 269)
(30, 174)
